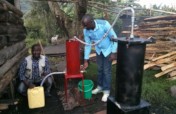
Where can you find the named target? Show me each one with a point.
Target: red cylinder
(73, 57)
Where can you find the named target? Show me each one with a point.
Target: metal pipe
(41, 84)
(43, 80)
(104, 36)
(132, 19)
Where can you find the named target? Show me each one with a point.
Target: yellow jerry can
(36, 98)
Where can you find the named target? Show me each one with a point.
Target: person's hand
(28, 84)
(31, 86)
(85, 64)
(73, 38)
(112, 56)
(82, 67)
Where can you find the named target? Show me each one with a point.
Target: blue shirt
(106, 46)
(35, 68)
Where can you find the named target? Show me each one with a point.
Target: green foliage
(69, 9)
(30, 41)
(40, 23)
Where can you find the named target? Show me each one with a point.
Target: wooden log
(10, 39)
(3, 41)
(9, 52)
(160, 52)
(163, 56)
(16, 38)
(11, 62)
(170, 17)
(159, 22)
(164, 72)
(162, 42)
(8, 76)
(3, 106)
(172, 78)
(160, 61)
(92, 55)
(157, 53)
(150, 48)
(159, 29)
(11, 29)
(168, 66)
(3, 8)
(149, 56)
(10, 18)
(160, 65)
(173, 73)
(17, 4)
(114, 62)
(126, 32)
(20, 29)
(157, 26)
(11, 8)
(166, 60)
(9, 101)
(149, 65)
(162, 11)
(147, 35)
(172, 39)
(164, 45)
(163, 51)
(155, 34)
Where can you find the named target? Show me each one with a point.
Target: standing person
(94, 30)
(33, 69)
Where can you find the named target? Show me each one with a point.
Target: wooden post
(11, 8)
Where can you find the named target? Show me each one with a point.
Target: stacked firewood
(166, 62)
(163, 52)
(12, 45)
(11, 24)
(159, 27)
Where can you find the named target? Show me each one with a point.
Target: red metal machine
(73, 57)
(72, 62)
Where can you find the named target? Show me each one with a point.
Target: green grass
(91, 71)
(154, 90)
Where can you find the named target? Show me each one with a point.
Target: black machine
(129, 73)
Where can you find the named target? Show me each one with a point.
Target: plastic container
(88, 86)
(36, 97)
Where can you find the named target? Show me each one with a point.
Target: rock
(173, 91)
